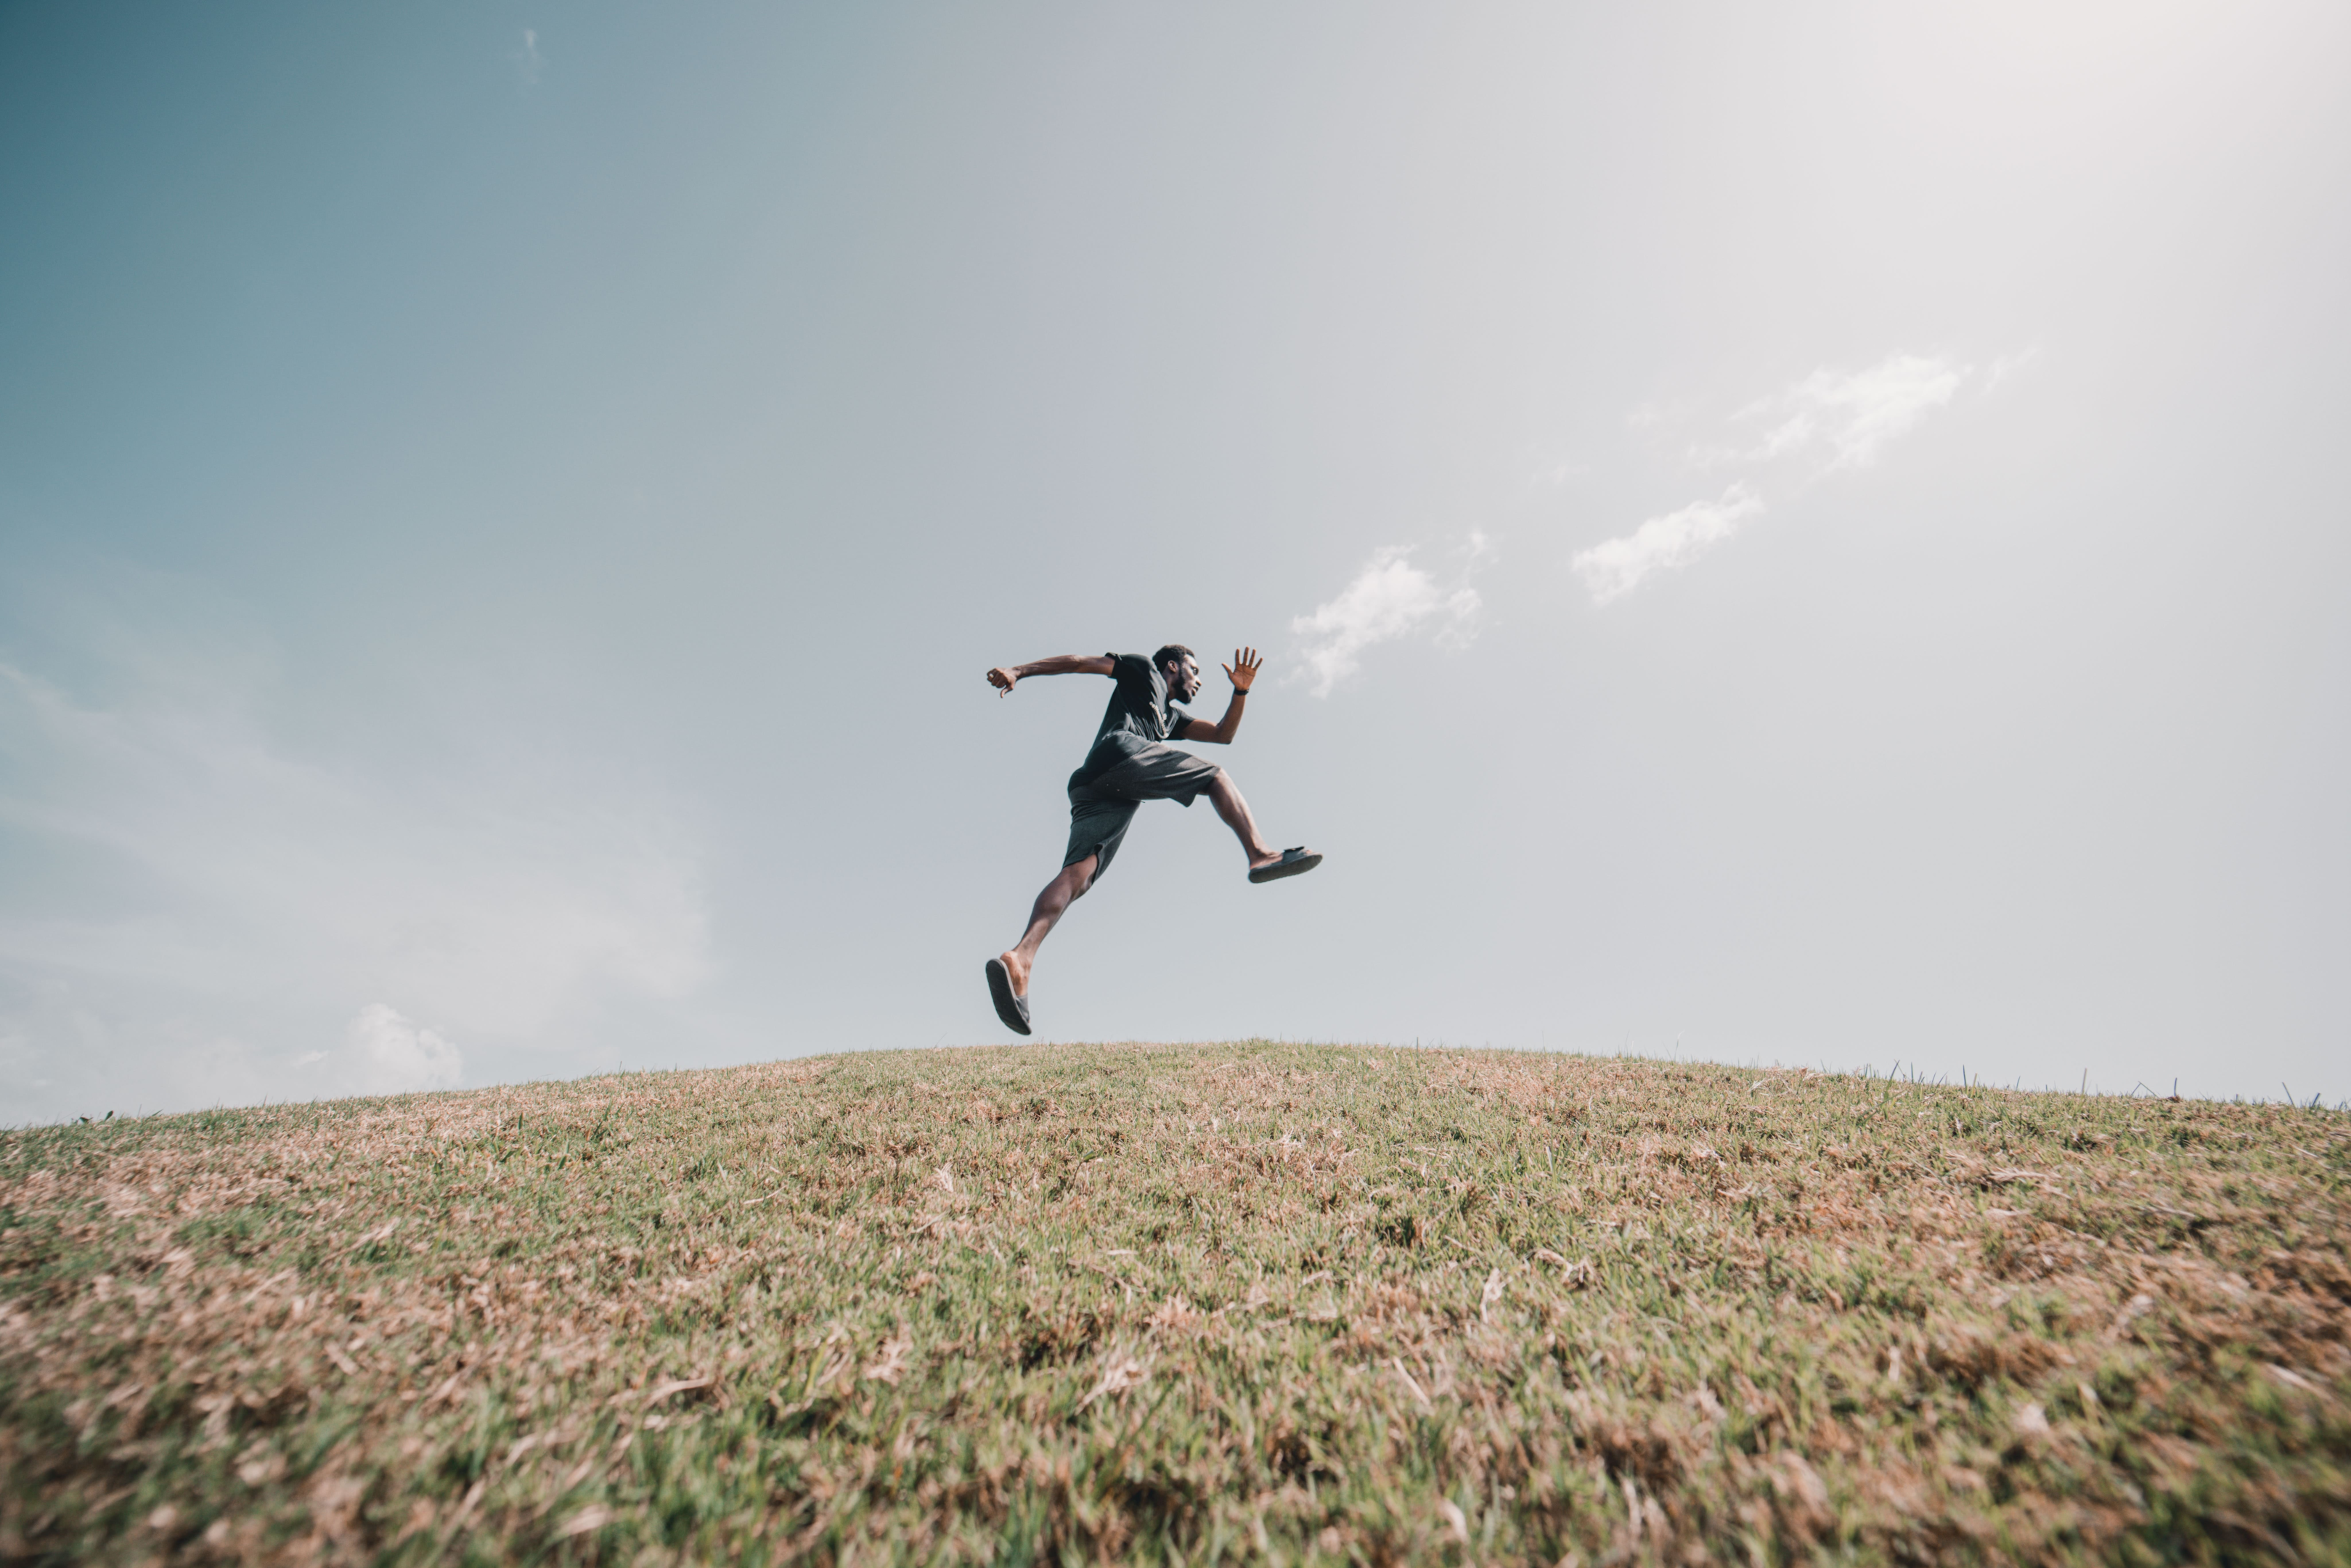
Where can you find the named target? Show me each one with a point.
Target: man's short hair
(1173, 653)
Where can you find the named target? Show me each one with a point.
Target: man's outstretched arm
(1003, 677)
(1242, 672)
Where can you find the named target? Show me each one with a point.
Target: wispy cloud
(1388, 599)
(527, 59)
(1613, 569)
(1844, 419)
(2007, 365)
(1831, 420)
(1555, 473)
(235, 898)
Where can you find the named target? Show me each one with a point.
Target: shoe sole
(1013, 1010)
(1281, 869)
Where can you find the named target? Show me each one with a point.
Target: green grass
(1188, 1305)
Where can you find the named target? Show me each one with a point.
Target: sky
(1808, 535)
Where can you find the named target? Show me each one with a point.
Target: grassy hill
(1182, 1304)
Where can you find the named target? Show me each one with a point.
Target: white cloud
(1615, 568)
(527, 59)
(390, 1055)
(1854, 415)
(1829, 421)
(1390, 598)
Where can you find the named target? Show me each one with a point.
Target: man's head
(1182, 669)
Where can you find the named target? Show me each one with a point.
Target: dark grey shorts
(1103, 799)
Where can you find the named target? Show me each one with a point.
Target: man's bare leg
(1044, 915)
(1225, 796)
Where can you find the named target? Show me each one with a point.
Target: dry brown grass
(1182, 1304)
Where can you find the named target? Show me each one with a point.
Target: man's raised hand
(1243, 670)
(1002, 680)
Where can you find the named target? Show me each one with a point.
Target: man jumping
(1129, 764)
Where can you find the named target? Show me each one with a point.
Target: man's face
(1184, 684)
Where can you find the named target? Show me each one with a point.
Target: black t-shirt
(1140, 712)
